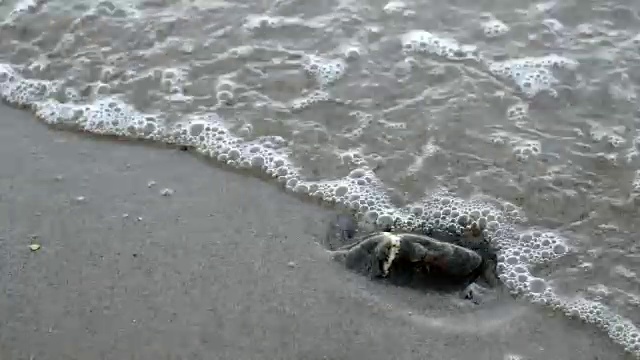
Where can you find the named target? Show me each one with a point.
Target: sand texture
(224, 267)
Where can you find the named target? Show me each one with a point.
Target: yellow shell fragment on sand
(34, 247)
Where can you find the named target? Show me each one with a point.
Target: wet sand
(226, 267)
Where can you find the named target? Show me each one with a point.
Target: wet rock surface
(421, 258)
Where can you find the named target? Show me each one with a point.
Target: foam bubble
(396, 6)
(494, 28)
(608, 135)
(326, 71)
(525, 149)
(312, 98)
(533, 75)
(513, 357)
(23, 92)
(255, 22)
(352, 52)
(619, 329)
(553, 24)
(518, 112)
(425, 42)
(262, 22)
(23, 7)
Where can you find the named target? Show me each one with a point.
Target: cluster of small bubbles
(53, 112)
(597, 133)
(260, 22)
(494, 28)
(607, 159)
(360, 191)
(619, 329)
(511, 213)
(632, 155)
(352, 52)
(553, 25)
(616, 141)
(175, 44)
(22, 7)
(111, 116)
(518, 112)
(520, 250)
(514, 273)
(243, 51)
(533, 75)
(535, 294)
(425, 42)
(525, 149)
(65, 44)
(107, 116)
(373, 32)
(532, 82)
(326, 71)
(403, 68)
(533, 247)
(397, 7)
(556, 62)
(500, 138)
(208, 134)
(37, 67)
(364, 120)
(304, 102)
(589, 31)
(610, 136)
(374, 160)
(245, 130)
(22, 92)
(172, 80)
(513, 357)
(353, 157)
(107, 73)
(633, 300)
(362, 117)
(71, 95)
(107, 8)
(225, 91)
(100, 89)
(254, 22)
(623, 271)
(444, 212)
(599, 291)
(392, 125)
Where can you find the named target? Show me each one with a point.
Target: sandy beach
(221, 266)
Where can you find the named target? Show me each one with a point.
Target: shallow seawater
(519, 117)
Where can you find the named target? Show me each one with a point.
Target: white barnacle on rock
(392, 243)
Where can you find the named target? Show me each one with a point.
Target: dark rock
(426, 258)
